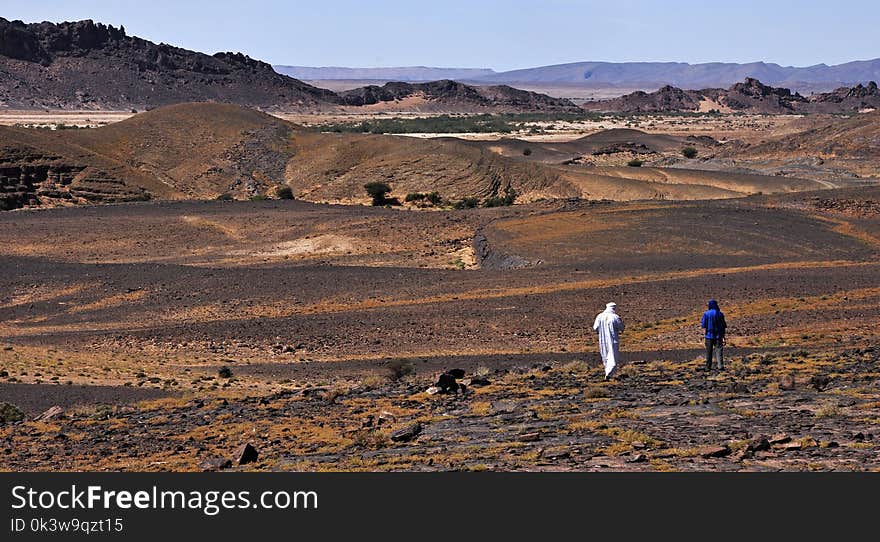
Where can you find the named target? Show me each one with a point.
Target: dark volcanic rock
(245, 454)
(820, 382)
(406, 434)
(714, 451)
(446, 382)
(456, 373)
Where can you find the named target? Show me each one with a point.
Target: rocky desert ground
(189, 335)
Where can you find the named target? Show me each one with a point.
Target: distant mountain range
(407, 74)
(645, 75)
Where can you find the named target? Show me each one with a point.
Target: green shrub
(635, 162)
(689, 152)
(10, 413)
(467, 203)
(399, 368)
(501, 201)
(283, 192)
(419, 197)
(378, 190)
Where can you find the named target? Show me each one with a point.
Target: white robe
(609, 326)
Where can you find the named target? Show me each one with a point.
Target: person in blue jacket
(715, 326)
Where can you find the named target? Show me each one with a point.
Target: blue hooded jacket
(713, 321)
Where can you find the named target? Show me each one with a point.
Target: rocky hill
(182, 151)
(452, 95)
(87, 65)
(854, 138)
(750, 96)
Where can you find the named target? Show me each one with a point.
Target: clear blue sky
(500, 34)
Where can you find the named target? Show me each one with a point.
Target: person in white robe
(609, 326)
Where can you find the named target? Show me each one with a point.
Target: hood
(610, 306)
(713, 305)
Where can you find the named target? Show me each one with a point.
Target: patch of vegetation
(283, 192)
(259, 197)
(103, 412)
(369, 438)
(527, 152)
(421, 198)
(689, 152)
(398, 369)
(501, 201)
(635, 162)
(379, 192)
(374, 381)
(467, 203)
(224, 372)
(449, 124)
(10, 413)
(596, 392)
(226, 196)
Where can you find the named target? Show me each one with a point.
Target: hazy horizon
(490, 34)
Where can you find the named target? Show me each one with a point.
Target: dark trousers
(716, 347)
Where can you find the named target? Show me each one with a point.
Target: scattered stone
(475, 381)
(858, 437)
(639, 445)
(447, 383)
(54, 412)
(820, 383)
(779, 438)
(708, 452)
(386, 417)
(529, 437)
(737, 387)
(433, 390)
(638, 458)
(792, 446)
(10, 413)
(214, 464)
(759, 444)
(745, 453)
(245, 454)
(407, 433)
(786, 382)
(556, 456)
